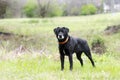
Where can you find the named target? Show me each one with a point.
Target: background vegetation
(48, 8)
(88, 9)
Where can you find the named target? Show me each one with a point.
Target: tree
(43, 7)
(49, 8)
(14, 8)
(112, 5)
(3, 6)
(30, 9)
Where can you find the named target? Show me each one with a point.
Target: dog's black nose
(60, 36)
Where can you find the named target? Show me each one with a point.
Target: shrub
(30, 10)
(88, 9)
(98, 45)
(55, 10)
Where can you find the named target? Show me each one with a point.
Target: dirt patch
(98, 45)
(98, 48)
(112, 29)
(5, 35)
(8, 36)
(10, 41)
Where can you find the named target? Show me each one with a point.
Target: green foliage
(45, 10)
(88, 9)
(30, 10)
(55, 10)
(98, 40)
(98, 44)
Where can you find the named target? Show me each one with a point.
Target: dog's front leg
(70, 61)
(61, 58)
(62, 61)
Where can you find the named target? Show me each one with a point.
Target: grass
(40, 59)
(39, 68)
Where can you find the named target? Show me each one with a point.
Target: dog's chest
(68, 48)
(66, 52)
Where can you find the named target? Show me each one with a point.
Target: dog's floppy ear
(67, 30)
(55, 30)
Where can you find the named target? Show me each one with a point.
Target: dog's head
(61, 33)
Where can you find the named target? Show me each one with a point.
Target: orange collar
(64, 41)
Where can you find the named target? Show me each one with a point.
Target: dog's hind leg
(78, 55)
(88, 54)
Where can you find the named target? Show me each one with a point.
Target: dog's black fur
(73, 45)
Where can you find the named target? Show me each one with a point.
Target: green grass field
(38, 59)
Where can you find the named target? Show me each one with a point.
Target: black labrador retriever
(69, 45)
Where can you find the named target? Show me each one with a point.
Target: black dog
(68, 45)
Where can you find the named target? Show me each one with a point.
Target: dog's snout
(60, 35)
